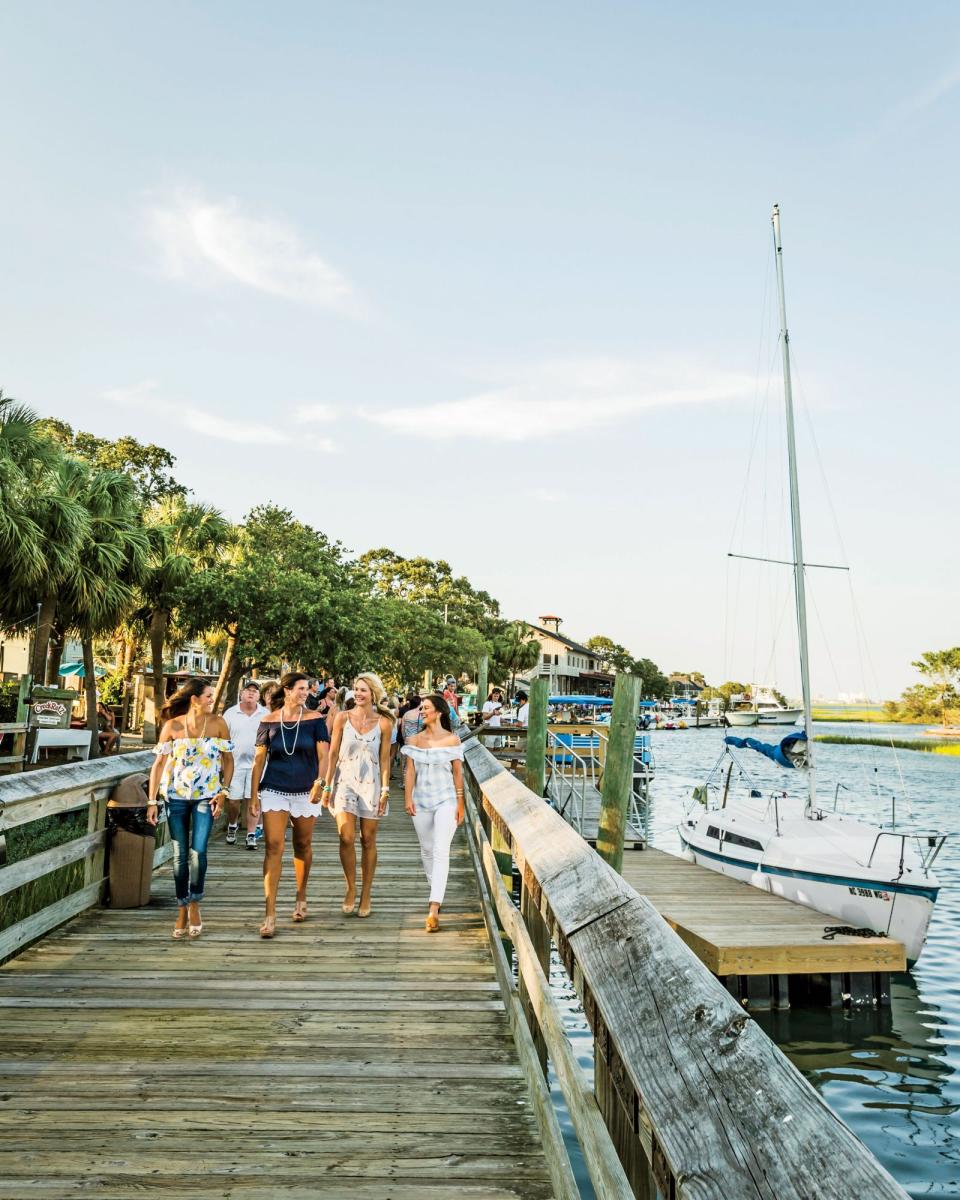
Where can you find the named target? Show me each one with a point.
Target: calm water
(893, 1075)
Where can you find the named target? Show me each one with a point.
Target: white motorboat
(772, 712)
(868, 876)
(742, 718)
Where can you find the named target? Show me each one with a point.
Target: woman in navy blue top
(288, 771)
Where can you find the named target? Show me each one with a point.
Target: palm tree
(43, 526)
(184, 538)
(26, 458)
(101, 588)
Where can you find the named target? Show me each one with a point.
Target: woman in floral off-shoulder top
(192, 772)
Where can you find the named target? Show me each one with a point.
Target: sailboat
(868, 876)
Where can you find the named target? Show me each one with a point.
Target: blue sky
(402, 267)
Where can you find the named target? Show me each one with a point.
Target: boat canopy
(590, 701)
(791, 751)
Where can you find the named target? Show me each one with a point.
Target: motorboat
(773, 712)
(788, 841)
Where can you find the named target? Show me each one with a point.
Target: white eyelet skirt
(297, 804)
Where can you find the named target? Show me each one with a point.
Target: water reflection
(893, 1074)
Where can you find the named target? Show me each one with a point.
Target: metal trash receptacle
(131, 843)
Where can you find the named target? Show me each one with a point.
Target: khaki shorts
(240, 784)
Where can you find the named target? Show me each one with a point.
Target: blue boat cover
(790, 752)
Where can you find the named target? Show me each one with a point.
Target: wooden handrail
(691, 1089)
(50, 792)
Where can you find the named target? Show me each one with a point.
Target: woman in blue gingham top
(433, 791)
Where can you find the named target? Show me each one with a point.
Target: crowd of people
(284, 754)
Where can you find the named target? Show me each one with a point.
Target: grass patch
(850, 714)
(23, 841)
(927, 747)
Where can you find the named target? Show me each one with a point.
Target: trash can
(131, 843)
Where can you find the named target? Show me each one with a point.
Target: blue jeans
(190, 825)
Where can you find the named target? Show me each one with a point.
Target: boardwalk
(362, 1060)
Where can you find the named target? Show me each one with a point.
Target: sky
(493, 283)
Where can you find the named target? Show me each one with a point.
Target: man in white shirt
(491, 716)
(243, 721)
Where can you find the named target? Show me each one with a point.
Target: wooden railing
(47, 793)
(17, 729)
(690, 1098)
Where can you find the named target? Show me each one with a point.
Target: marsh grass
(927, 747)
(24, 841)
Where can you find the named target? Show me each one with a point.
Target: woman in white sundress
(433, 792)
(357, 785)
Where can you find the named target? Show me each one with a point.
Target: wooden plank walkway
(362, 1060)
(736, 929)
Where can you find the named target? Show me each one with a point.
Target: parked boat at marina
(869, 876)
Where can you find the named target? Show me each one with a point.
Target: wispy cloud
(315, 414)
(553, 398)
(915, 104)
(928, 96)
(202, 241)
(213, 425)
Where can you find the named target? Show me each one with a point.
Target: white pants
(435, 828)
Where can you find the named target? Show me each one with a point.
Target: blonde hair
(379, 694)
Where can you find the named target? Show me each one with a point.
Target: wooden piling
(483, 668)
(537, 737)
(618, 770)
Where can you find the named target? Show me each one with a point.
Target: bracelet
(385, 791)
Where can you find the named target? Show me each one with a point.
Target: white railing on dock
(693, 1099)
(51, 792)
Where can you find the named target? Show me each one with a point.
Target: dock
(359, 1059)
(758, 943)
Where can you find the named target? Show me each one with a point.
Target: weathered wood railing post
(618, 770)
(534, 775)
(483, 668)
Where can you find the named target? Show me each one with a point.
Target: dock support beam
(534, 776)
(618, 770)
(483, 668)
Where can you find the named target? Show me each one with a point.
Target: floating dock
(760, 944)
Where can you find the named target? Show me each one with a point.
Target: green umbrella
(76, 668)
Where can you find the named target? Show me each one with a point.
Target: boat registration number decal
(869, 893)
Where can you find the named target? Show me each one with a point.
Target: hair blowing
(288, 681)
(443, 708)
(378, 693)
(179, 702)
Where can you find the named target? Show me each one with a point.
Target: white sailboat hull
(820, 876)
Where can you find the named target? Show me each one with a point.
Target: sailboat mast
(798, 575)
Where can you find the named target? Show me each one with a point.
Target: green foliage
(725, 691)
(9, 693)
(110, 688)
(653, 683)
(148, 467)
(515, 651)
(938, 700)
(433, 585)
(284, 592)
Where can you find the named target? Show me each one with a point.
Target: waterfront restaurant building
(572, 669)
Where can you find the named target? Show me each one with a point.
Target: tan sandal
(432, 923)
(300, 911)
(269, 927)
(365, 912)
